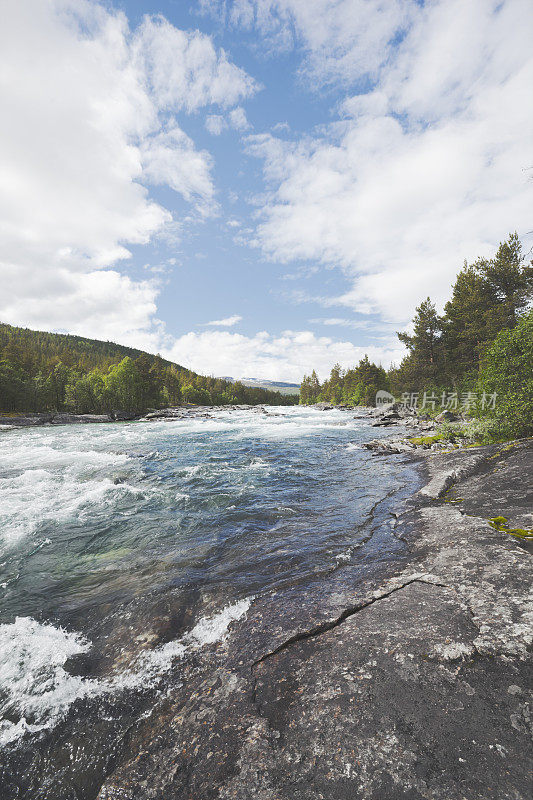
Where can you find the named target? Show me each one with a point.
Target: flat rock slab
(504, 487)
(387, 706)
(400, 679)
(417, 689)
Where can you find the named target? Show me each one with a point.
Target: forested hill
(42, 371)
(69, 349)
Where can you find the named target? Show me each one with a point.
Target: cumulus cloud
(215, 124)
(170, 158)
(238, 119)
(342, 40)
(89, 122)
(227, 322)
(185, 70)
(285, 357)
(421, 172)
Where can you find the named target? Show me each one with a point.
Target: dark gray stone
(70, 419)
(414, 686)
(123, 416)
(26, 420)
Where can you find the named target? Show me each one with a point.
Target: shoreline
(403, 675)
(40, 420)
(412, 685)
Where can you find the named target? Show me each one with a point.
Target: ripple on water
(229, 506)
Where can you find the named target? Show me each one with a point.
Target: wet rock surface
(64, 418)
(414, 686)
(401, 678)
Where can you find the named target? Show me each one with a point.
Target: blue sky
(257, 187)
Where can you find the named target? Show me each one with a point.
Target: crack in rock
(324, 627)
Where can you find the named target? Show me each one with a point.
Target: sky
(257, 188)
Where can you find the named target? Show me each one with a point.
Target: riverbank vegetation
(477, 356)
(57, 372)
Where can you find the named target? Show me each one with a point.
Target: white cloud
(342, 322)
(422, 172)
(184, 69)
(215, 124)
(227, 322)
(89, 118)
(170, 158)
(342, 40)
(286, 357)
(238, 119)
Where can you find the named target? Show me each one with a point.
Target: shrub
(507, 370)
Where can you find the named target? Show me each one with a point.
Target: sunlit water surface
(219, 509)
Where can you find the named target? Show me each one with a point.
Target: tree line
(42, 371)
(481, 344)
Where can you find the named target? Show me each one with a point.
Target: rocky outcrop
(175, 413)
(25, 420)
(414, 685)
(400, 677)
(70, 419)
(28, 420)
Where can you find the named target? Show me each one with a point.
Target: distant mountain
(274, 386)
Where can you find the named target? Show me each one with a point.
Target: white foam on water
(213, 629)
(65, 474)
(38, 496)
(258, 463)
(208, 630)
(288, 422)
(66, 454)
(36, 691)
(34, 685)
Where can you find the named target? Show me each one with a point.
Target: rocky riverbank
(413, 683)
(401, 674)
(63, 418)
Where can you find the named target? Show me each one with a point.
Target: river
(126, 547)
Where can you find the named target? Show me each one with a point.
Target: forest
(481, 347)
(42, 371)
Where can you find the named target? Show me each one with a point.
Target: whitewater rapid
(102, 523)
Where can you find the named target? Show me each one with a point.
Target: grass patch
(426, 439)
(500, 524)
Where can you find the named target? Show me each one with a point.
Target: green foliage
(483, 344)
(199, 396)
(309, 388)
(507, 370)
(501, 524)
(423, 365)
(55, 372)
(426, 440)
(450, 432)
(488, 296)
(357, 386)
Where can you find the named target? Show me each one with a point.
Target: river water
(125, 547)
